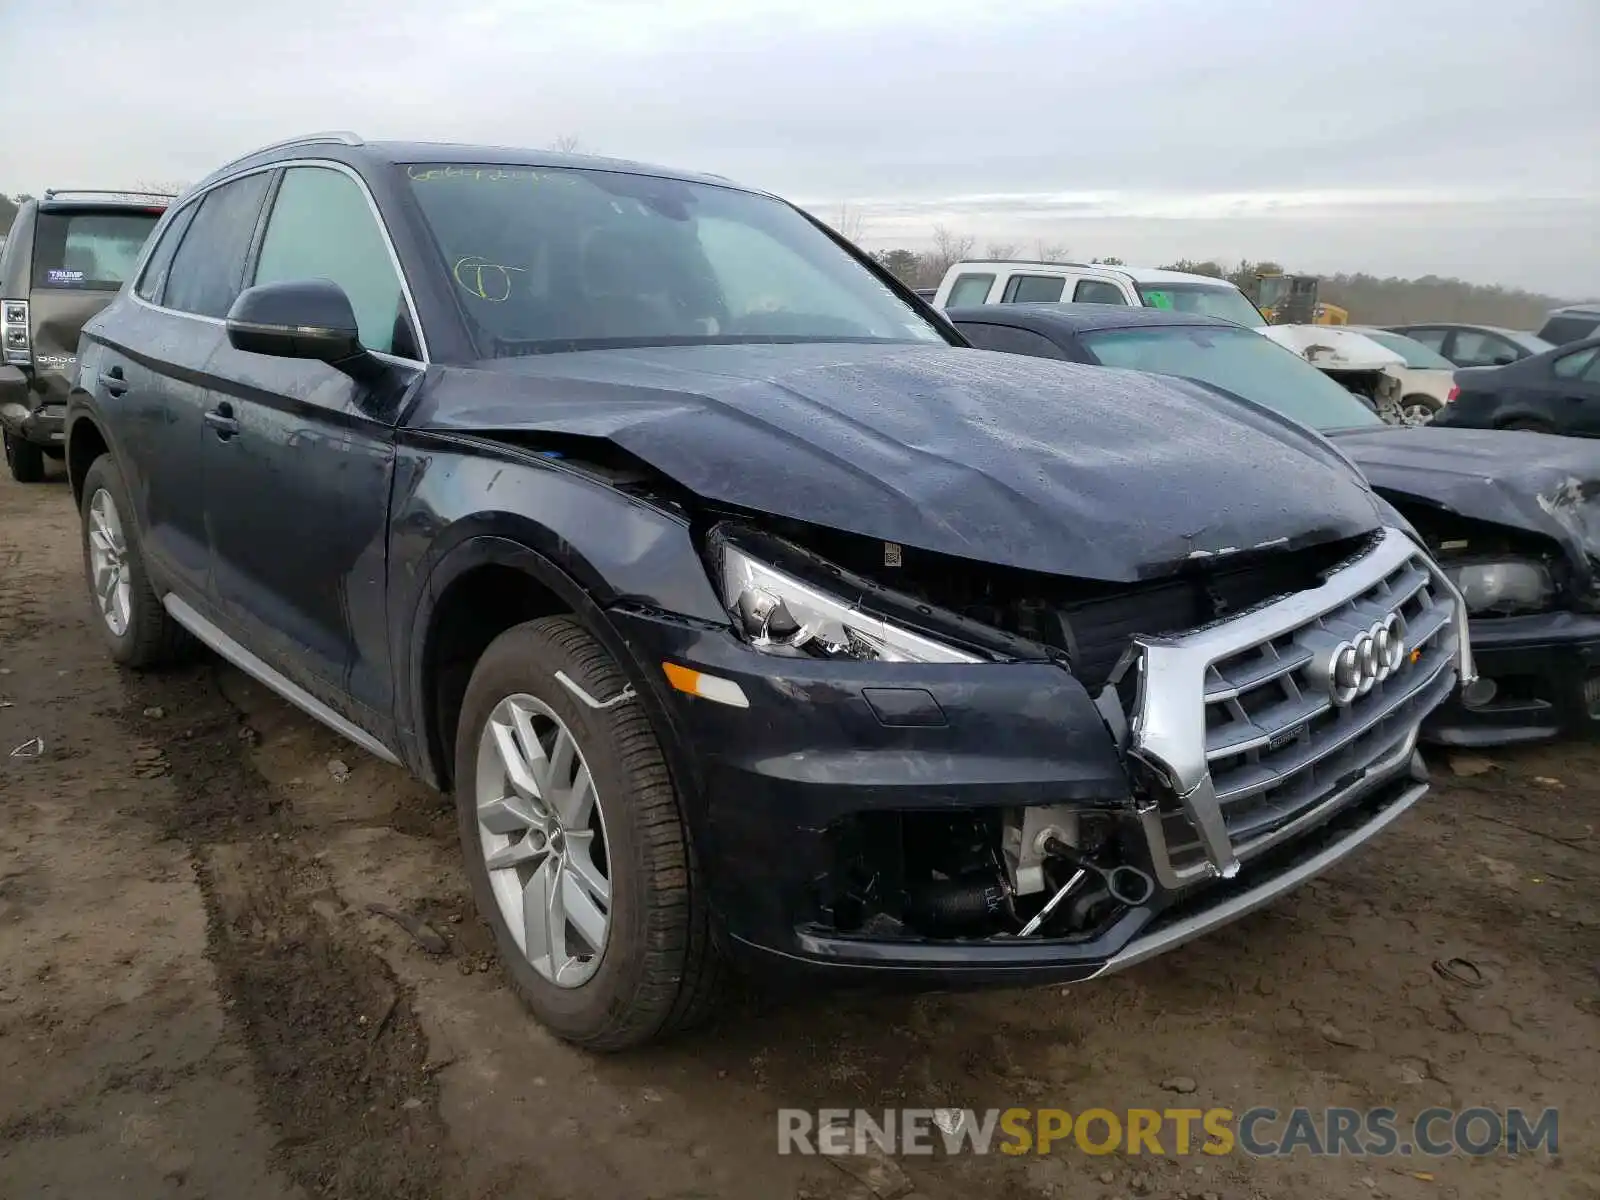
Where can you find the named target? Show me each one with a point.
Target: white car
(1018, 281)
(1428, 379)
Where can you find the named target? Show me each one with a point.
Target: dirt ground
(196, 1000)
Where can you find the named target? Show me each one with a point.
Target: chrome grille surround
(1241, 740)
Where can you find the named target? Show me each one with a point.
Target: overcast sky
(1458, 137)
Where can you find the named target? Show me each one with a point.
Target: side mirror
(1504, 360)
(304, 318)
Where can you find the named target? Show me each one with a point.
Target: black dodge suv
(742, 605)
(64, 259)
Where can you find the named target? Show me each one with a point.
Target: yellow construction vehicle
(1292, 300)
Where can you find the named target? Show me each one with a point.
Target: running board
(252, 666)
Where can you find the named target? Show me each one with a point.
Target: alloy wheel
(108, 562)
(541, 827)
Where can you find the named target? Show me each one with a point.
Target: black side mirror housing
(302, 318)
(1504, 360)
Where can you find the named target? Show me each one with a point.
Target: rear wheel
(1529, 424)
(575, 846)
(126, 609)
(25, 460)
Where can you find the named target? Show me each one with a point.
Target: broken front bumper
(1250, 780)
(1545, 668)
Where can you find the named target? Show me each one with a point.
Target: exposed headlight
(1503, 587)
(782, 615)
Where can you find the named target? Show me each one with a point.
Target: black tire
(1429, 404)
(1528, 424)
(25, 459)
(152, 638)
(660, 971)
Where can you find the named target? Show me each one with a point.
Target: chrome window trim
(372, 206)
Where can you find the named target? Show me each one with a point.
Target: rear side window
(1559, 330)
(323, 228)
(970, 289)
(96, 251)
(207, 272)
(1098, 291)
(1576, 366)
(1010, 341)
(1034, 289)
(154, 279)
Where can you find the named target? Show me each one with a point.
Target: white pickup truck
(1022, 282)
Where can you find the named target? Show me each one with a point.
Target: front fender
(458, 506)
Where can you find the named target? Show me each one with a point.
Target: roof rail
(59, 193)
(342, 137)
(1035, 262)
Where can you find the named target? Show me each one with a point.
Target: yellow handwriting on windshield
(486, 280)
(481, 173)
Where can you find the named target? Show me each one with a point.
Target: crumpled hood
(1001, 458)
(1333, 349)
(1530, 481)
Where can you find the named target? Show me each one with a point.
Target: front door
(298, 462)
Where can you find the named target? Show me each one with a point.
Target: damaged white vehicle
(1378, 375)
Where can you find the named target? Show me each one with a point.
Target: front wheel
(25, 460)
(575, 845)
(1418, 409)
(126, 609)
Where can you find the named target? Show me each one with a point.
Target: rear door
(1575, 379)
(150, 374)
(299, 456)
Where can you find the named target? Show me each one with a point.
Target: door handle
(222, 420)
(113, 382)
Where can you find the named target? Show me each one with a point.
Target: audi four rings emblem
(1367, 659)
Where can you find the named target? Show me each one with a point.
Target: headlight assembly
(1517, 586)
(780, 614)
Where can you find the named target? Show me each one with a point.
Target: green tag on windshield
(1158, 300)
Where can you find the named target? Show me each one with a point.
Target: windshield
(1209, 299)
(551, 259)
(1238, 361)
(1413, 351)
(92, 250)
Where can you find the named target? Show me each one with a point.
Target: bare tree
(569, 144)
(948, 249)
(1052, 252)
(1001, 250)
(851, 223)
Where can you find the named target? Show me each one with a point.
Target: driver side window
(323, 228)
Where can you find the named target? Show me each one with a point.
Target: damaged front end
(1513, 519)
(1039, 776)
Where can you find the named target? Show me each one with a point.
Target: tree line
(1370, 299)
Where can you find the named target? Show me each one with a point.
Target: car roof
(1137, 274)
(1576, 310)
(1401, 328)
(1079, 318)
(57, 200)
(352, 149)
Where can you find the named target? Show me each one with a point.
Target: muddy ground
(196, 1001)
